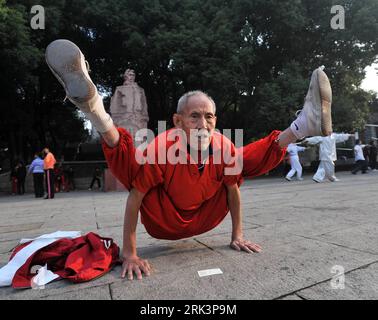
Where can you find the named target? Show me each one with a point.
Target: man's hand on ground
(244, 245)
(134, 264)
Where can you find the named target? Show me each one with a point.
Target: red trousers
(169, 215)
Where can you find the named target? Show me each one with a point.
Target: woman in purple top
(36, 168)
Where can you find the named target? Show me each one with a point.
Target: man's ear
(177, 121)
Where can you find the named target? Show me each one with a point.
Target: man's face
(46, 150)
(198, 121)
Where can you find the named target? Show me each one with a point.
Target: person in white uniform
(361, 163)
(327, 155)
(296, 167)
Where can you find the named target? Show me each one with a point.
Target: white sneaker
(288, 179)
(334, 179)
(67, 63)
(315, 117)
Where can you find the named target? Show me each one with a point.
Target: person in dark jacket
(21, 175)
(69, 175)
(97, 174)
(373, 155)
(13, 179)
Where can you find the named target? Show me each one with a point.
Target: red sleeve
(150, 173)
(262, 156)
(122, 158)
(148, 176)
(232, 163)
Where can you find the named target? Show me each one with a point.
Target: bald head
(183, 101)
(196, 116)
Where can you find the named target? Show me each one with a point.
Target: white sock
(299, 126)
(96, 114)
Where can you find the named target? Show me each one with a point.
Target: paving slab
(291, 297)
(60, 287)
(361, 284)
(95, 293)
(7, 246)
(304, 228)
(113, 220)
(361, 237)
(31, 234)
(267, 236)
(286, 268)
(185, 283)
(4, 258)
(20, 227)
(309, 226)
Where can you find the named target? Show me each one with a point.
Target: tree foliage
(254, 57)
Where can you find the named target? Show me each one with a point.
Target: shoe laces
(87, 65)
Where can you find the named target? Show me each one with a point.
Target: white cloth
(326, 169)
(327, 145)
(9, 270)
(293, 149)
(358, 152)
(95, 112)
(296, 167)
(44, 276)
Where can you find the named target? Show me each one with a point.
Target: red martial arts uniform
(78, 260)
(180, 200)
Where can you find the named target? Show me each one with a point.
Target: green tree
(254, 57)
(30, 101)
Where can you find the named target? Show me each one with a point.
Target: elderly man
(185, 198)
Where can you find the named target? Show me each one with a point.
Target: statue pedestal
(111, 183)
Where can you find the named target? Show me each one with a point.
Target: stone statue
(128, 105)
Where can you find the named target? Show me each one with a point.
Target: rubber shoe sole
(67, 63)
(326, 102)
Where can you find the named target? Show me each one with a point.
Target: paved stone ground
(304, 228)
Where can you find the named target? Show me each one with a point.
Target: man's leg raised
(314, 120)
(67, 63)
(315, 117)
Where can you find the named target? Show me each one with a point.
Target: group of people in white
(328, 156)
